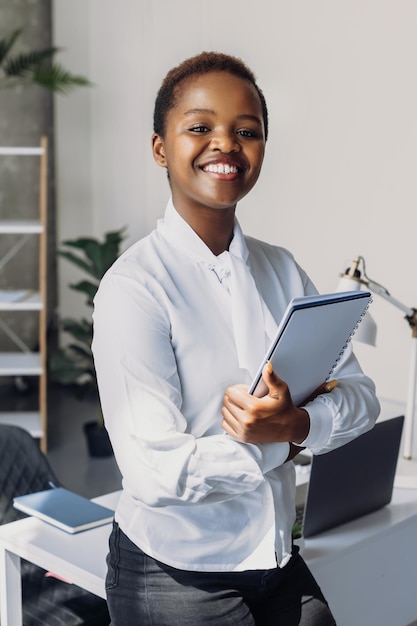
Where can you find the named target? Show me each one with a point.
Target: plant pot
(98, 441)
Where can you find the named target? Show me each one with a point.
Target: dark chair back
(46, 601)
(23, 469)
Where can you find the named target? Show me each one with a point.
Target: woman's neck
(214, 227)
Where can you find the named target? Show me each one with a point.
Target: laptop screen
(353, 480)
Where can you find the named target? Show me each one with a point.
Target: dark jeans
(144, 592)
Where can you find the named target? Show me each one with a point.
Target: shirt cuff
(321, 425)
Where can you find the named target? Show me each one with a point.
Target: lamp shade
(366, 331)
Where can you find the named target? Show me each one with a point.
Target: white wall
(340, 172)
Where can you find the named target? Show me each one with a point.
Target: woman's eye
(199, 129)
(244, 132)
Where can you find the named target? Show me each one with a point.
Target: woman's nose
(225, 142)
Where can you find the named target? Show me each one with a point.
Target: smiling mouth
(221, 168)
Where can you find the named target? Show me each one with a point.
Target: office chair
(46, 601)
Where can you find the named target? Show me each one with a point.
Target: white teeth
(221, 168)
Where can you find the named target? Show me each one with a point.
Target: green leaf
(35, 66)
(81, 330)
(99, 255)
(91, 248)
(28, 63)
(76, 260)
(297, 530)
(82, 243)
(7, 44)
(57, 79)
(88, 288)
(75, 364)
(111, 248)
(82, 324)
(64, 369)
(84, 354)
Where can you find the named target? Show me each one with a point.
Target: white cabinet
(23, 361)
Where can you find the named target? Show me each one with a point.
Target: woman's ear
(158, 150)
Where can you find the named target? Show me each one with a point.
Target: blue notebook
(310, 340)
(64, 509)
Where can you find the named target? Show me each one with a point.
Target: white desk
(79, 558)
(367, 568)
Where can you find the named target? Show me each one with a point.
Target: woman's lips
(221, 168)
(228, 170)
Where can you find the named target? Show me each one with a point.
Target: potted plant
(35, 66)
(73, 364)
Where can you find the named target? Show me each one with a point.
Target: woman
(202, 533)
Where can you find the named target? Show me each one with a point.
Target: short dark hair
(202, 63)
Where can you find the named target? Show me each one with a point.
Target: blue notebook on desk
(64, 509)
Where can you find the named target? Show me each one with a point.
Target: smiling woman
(181, 322)
(213, 147)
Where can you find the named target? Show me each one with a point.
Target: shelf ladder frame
(40, 151)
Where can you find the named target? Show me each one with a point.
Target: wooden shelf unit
(26, 362)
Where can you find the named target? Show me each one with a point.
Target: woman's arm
(326, 422)
(162, 457)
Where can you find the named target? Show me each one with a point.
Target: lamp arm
(354, 273)
(376, 288)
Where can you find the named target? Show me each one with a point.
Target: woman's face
(214, 142)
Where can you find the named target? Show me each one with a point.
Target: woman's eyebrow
(248, 116)
(244, 116)
(198, 111)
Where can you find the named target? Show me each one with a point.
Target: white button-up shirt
(165, 351)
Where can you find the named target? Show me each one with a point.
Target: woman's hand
(261, 420)
(271, 418)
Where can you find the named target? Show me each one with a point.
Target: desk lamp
(354, 278)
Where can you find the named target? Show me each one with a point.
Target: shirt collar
(180, 235)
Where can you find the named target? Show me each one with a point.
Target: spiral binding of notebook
(349, 339)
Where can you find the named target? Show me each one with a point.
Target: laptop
(351, 481)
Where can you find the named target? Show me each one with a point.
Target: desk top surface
(328, 545)
(80, 558)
